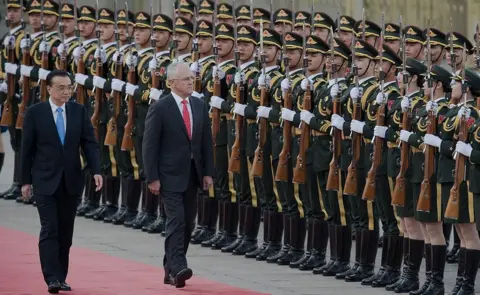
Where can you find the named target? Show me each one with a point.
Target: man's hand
(207, 182)
(26, 191)
(154, 187)
(98, 182)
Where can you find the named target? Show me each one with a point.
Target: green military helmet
(224, 11)
(106, 16)
(224, 31)
(142, 20)
(390, 56)
(206, 7)
(459, 40)
(68, 10)
(439, 73)
(15, 4)
(242, 12)
(162, 22)
(183, 25)
(437, 37)
(371, 29)
(50, 7)
(315, 44)
(340, 49)
(323, 20)
(415, 67)
(392, 31)
(347, 23)
(261, 15)
(414, 34)
(302, 17)
(247, 34)
(270, 37)
(87, 14)
(283, 15)
(205, 29)
(363, 49)
(186, 6)
(471, 79)
(122, 18)
(293, 41)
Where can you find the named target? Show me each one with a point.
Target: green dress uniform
(282, 17)
(69, 44)
(329, 208)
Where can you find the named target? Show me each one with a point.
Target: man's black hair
(57, 73)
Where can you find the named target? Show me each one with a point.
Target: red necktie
(186, 118)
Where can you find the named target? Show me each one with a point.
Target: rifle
(216, 84)
(26, 60)
(98, 93)
(43, 83)
(477, 55)
(399, 192)
(7, 114)
(197, 82)
(153, 40)
(369, 191)
(423, 203)
(453, 206)
(112, 127)
(234, 163)
(299, 172)
(61, 29)
(80, 89)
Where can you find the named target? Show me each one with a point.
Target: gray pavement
(130, 244)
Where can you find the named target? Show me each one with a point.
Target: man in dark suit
(178, 159)
(53, 133)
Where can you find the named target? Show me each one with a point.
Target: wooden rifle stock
(7, 114)
(351, 180)
(282, 168)
(80, 93)
(429, 168)
(257, 166)
(22, 108)
(399, 192)
(333, 179)
(369, 191)
(95, 119)
(112, 127)
(299, 172)
(234, 163)
(127, 140)
(215, 114)
(43, 83)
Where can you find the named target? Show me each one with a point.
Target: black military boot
(221, 227)
(447, 231)
(318, 246)
(406, 250)
(133, 200)
(308, 252)
(140, 214)
(394, 262)
(452, 256)
(9, 193)
(410, 281)
(150, 209)
(199, 226)
(333, 250)
(208, 221)
(256, 252)
(158, 225)
(298, 233)
(5, 194)
(472, 262)
(121, 210)
(102, 201)
(383, 261)
(437, 287)
(93, 198)
(428, 271)
(230, 222)
(16, 192)
(112, 191)
(83, 205)
(286, 241)
(367, 256)
(358, 248)
(251, 227)
(241, 230)
(460, 271)
(344, 245)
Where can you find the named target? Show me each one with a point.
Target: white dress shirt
(55, 113)
(179, 100)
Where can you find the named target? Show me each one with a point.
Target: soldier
(322, 23)
(184, 37)
(438, 45)
(205, 11)
(225, 13)
(266, 84)
(415, 40)
(185, 9)
(392, 37)
(303, 18)
(346, 29)
(261, 15)
(70, 40)
(282, 18)
(456, 45)
(372, 32)
(242, 13)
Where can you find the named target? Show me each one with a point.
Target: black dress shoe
(54, 287)
(182, 276)
(65, 287)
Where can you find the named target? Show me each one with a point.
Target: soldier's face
(225, 21)
(294, 55)
(69, 25)
(50, 21)
(321, 33)
(337, 60)
(142, 35)
(224, 47)
(14, 15)
(427, 89)
(299, 30)
(185, 15)
(413, 49)
(283, 28)
(362, 64)
(161, 37)
(107, 31)
(86, 28)
(205, 16)
(437, 52)
(457, 52)
(34, 20)
(183, 41)
(245, 49)
(243, 22)
(457, 92)
(372, 40)
(346, 37)
(394, 45)
(315, 60)
(205, 44)
(271, 53)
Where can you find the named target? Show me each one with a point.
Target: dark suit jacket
(43, 158)
(167, 149)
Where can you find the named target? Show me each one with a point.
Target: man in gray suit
(178, 159)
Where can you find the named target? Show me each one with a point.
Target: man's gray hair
(172, 69)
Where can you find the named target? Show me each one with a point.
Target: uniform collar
(35, 35)
(71, 39)
(16, 29)
(295, 71)
(142, 51)
(161, 53)
(315, 75)
(201, 60)
(361, 81)
(245, 65)
(86, 42)
(272, 68)
(332, 81)
(224, 63)
(105, 46)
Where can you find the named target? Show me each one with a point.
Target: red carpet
(91, 273)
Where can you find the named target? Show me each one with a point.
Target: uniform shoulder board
(227, 67)
(275, 79)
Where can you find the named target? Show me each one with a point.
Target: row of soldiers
(322, 129)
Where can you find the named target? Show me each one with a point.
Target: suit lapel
(176, 114)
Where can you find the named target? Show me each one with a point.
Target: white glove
(239, 109)
(216, 102)
(11, 68)
(464, 111)
(379, 131)
(219, 72)
(357, 126)
(432, 140)
(195, 67)
(101, 53)
(405, 135)
(130, 89)
(196, 94)
(117, 85)
(464, 148)
(6, 41)
(132, 60)
(80, 78)
(355, 93)
(44, 47)
(261, 80)
(334, 90)
(285, 84)
(25, 43)
(4, 87)
(61, 49)
(77, 52)
(239, 78)
(98, 82)
(263, 112)
(381, 98)
(337, 121)
(432, 106)
(26, 70)
(405, 103)
(42, 74)
(115, 57)
(288, 114)
(155, 94)
(306, 82)
(306, 116)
